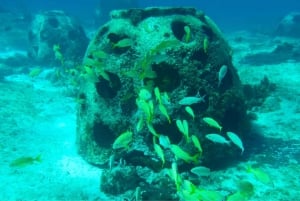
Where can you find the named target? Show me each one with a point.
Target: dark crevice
(167, 78)
(178, 29)
(103, 136)
(108, 88)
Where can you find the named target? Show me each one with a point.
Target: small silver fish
(221, 74)
(111, 161)
(235, 139)
(189, 100)
(164, 141)
(201, 171)
(216, 138)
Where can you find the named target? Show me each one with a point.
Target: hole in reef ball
(103, 136)
(167, 78)
(53, 22)
(178, 29)
(108, 89)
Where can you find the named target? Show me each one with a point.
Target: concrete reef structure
(52, 29)
(144, 70)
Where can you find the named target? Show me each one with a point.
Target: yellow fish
(123, 140)
(123, 43)
(190, 111)
(25, 160)
(183, 127)
(260, 175)
(196, 143)
(180, 153)
(212, 123)
(160, 153)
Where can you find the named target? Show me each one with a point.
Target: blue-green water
(44, 68)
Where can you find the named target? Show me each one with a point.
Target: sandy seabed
(38, 118)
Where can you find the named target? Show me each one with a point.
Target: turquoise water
(70, 87)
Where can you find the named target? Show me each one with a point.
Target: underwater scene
(131, 100)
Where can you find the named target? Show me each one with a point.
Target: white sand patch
(40, 120)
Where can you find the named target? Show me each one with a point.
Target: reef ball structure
(289, 26)
(144, 72)
(55, 28)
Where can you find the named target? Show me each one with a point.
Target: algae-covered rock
(140, 71)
